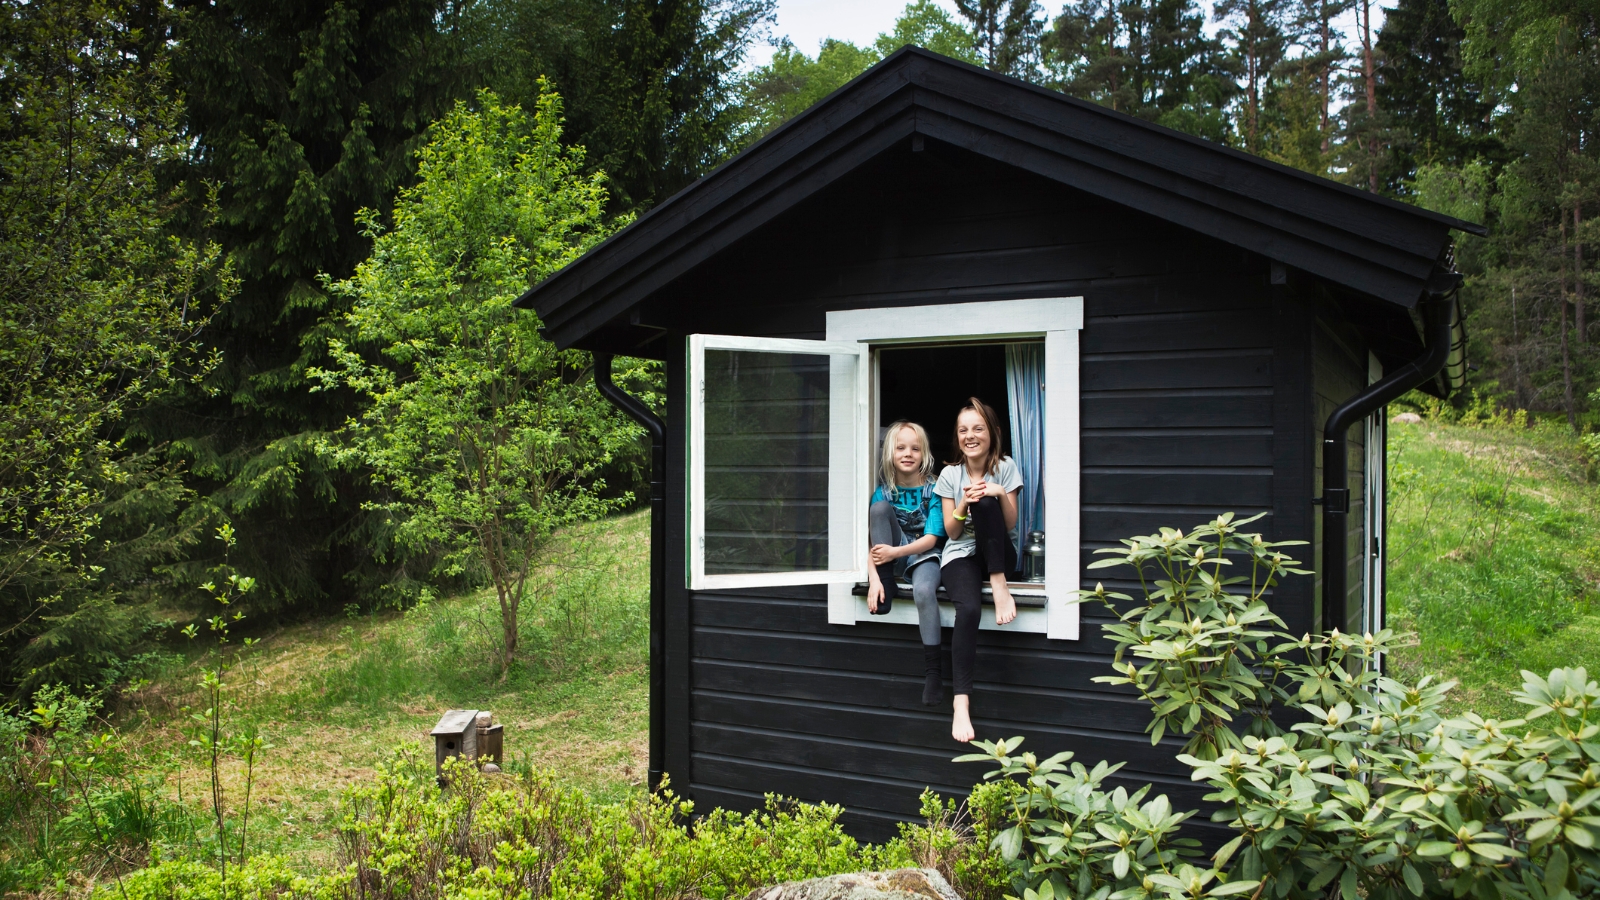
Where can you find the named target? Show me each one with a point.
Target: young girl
(979, 494)
(905, 522)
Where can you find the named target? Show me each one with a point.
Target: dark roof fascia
(1370, 243)
(773, 149)
(1315, 181)
(707, 222)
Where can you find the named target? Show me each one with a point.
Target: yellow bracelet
(956, 517)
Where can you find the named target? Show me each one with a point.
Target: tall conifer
(300, 112)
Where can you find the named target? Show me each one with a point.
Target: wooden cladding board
(1185, 414)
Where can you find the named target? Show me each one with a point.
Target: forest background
(180, 184)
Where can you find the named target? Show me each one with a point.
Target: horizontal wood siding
(1180, 421)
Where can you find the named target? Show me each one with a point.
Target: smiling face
(908, 452)
(972, 436)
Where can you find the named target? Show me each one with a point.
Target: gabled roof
(1367, 243)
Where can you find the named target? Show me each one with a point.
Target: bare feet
(961, 725)
(1005, 608)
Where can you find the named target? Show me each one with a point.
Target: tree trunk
(1566, 356)
(1516, 355)
(1325, 27)
(1252, 74)
(1577, 276)
(1369, 66)
(508, 629)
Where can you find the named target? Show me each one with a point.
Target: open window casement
(778, 483)
(1055, 322)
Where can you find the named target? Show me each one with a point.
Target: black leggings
(964, 579)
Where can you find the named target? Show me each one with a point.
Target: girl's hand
(975, 491)
(874, 595)
(990, 489)
(882, 553)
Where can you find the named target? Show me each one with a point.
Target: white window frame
(848, 428)
(1374, 538)
(1057, 321)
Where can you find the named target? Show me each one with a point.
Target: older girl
(905, 522)
(979, 495)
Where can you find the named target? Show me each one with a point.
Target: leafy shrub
(74, 801)
(1371, 792)
(955, 840)
(402, 836)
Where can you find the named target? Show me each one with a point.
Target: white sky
(808, 22)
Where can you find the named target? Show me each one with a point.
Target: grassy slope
(335, 699)
(1494, 558)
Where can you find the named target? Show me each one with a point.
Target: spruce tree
(300, 113)
(1437, 114)
(649, 85)
(1149, 58)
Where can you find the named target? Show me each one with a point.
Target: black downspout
(658, 560)
(1438, 322)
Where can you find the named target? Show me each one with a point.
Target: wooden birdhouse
(455, 735)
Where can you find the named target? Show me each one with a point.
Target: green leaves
(1199, 628)
(1373, 793)
(486, 437)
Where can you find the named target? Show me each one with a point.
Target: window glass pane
(766, 462)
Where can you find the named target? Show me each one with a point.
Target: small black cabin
(1169, 325)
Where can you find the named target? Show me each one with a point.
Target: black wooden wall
(1197, 377)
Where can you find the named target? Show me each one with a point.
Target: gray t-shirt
(952, 481)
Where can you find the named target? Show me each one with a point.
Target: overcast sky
(808, 22)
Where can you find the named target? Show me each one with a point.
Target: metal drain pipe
(636, 410)
(1439, 317)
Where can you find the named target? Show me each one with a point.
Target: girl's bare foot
(1005, 608)
(961, 725)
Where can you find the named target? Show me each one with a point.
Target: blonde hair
(886, 468)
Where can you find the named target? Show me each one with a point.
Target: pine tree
(1256, 31)
(1540, 60)
(1007, 34)
(1437, 114)
(1148, 58)
(301, 113)
(1313, 27)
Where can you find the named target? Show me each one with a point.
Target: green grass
(337, 698)
(1494, 557)
(1494, 562)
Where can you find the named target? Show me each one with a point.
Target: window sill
(1025, 593)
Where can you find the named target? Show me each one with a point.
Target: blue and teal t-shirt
(919, 512)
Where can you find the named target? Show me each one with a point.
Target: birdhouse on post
(455, 735)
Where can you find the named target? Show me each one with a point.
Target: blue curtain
(1025, 390)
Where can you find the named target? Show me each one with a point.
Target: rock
(900, 884)
(1407, 419)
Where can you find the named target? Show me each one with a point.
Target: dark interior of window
(929, 385)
